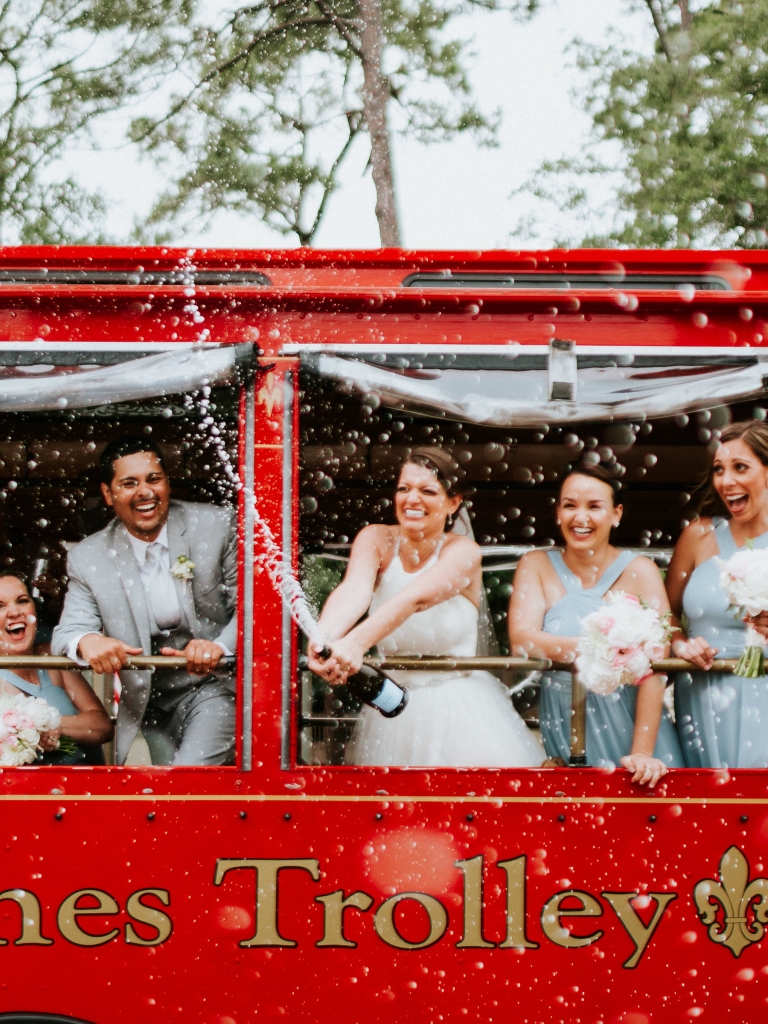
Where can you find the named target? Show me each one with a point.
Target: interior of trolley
(50, 496)
(356, 426)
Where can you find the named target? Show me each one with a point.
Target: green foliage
(276, 104)
(63, 65)
(320, 576)
(691, 125)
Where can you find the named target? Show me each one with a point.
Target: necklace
(420, 559)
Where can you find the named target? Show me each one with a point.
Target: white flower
(22, 719)
(183, 568)
(744, 578)
(619, 642)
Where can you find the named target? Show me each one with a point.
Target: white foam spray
(282, 575)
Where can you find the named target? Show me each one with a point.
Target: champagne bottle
(379, 691)
(372, 687)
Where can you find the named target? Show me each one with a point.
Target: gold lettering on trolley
(640, 933)
(553, 911)
(736, 896)
(516, 937)
(335, 905)
(473, 905)
(386, 927)
(150, 916)
(31, 918)
(69, 912)
(267, 870)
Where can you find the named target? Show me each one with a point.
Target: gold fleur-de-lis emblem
(269, 393)
(744, 904)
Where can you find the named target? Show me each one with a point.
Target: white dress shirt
(154, 561)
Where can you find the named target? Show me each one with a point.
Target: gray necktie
(161, 589)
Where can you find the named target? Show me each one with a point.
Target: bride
(420, 584)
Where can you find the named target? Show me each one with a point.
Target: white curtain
(520, 397)
(25, 389)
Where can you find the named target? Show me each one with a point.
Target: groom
(160, 578)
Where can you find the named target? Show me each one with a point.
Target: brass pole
(140, 662)
(578, 758)
(414, 663)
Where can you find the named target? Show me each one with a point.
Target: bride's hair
(444, 466)
(754, 434)
(439, 462)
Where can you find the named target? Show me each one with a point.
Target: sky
(453, 195)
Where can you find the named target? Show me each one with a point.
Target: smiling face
(586, 512)
(421, 503)
(18, 619)
(741, 480)
(139, 493)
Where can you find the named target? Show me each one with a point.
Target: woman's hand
(345, 660)
(759, 623)
(50, 740)
(647, 769)
(326, 668)
(697, 651)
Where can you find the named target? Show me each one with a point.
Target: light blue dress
(610, 717)
(56, 696)
(722, 719)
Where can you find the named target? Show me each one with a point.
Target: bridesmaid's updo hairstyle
(594, 472)
(445, 468)
(754, 434)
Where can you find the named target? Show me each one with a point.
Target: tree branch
(240, 56)
(661, 29)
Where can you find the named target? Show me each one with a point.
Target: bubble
(681, 420)
(308, 506)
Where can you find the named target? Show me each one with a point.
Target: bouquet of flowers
(619, 642)
(22, 719)
(744, 578)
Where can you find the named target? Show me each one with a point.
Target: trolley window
(515, 422)
(60, 405)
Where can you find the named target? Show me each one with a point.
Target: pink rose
(632, 599)
(653, 651)
(11, 719)
(623, 656)
(606, 624)
(25, 722)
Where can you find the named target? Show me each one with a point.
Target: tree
(63, 65)
(691, 125)
(281, 90)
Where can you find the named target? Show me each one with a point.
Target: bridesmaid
(553, 592)
(722, 719)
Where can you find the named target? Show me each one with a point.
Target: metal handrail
(417, 664)
(140, 662)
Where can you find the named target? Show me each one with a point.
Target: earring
(618, 521)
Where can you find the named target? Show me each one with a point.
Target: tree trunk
(375, 97)
(686, 19)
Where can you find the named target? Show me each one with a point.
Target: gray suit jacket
(105, 594)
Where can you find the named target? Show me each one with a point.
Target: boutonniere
(183, 568)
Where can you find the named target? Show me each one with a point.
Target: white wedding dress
(455, 719)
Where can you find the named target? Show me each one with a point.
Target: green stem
(751, 664)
